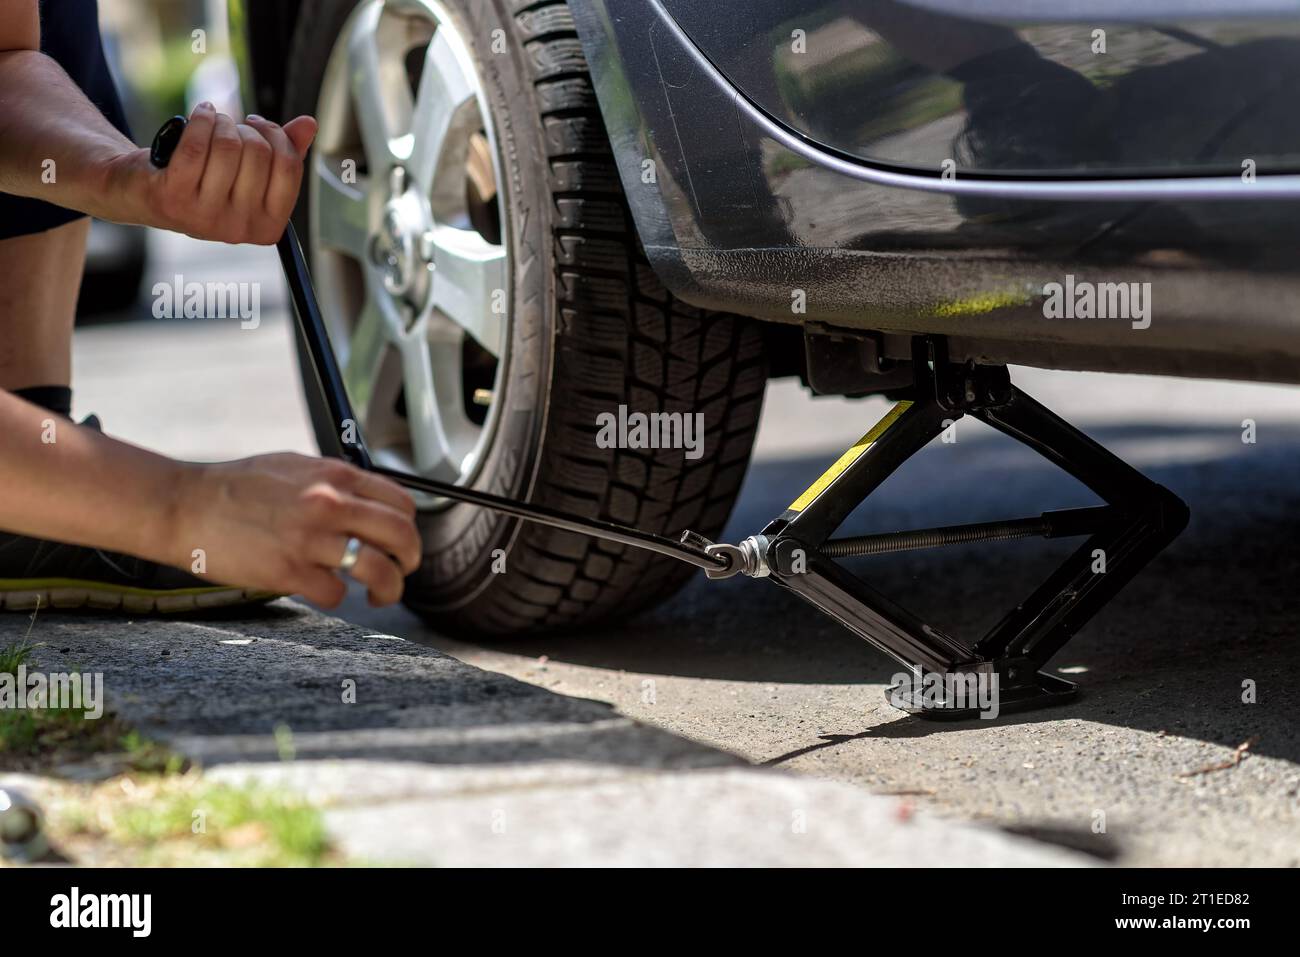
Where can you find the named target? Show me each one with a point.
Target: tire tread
(624, 339)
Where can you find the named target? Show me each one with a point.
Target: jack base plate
(931, 702)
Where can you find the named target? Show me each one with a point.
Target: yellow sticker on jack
(849, 457)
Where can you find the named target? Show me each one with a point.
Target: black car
(531, 220)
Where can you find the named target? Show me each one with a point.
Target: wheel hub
(401, 246)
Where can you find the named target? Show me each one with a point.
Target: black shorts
(70, 36)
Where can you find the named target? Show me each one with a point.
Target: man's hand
(281, 522)
(227, 181)
(232, 182)
(277, 523)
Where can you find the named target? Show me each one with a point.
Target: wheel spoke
(365, 354)
(341, 210)
(379, 89)
(469, 283)
(430, 446)
(444, 88)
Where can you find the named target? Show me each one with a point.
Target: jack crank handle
(166, 140)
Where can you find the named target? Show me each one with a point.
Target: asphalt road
(745, 667)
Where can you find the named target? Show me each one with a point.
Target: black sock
(55, 398)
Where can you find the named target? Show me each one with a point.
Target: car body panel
(737, 211)
(1083, 88)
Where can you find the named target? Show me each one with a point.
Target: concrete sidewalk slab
(421, 759)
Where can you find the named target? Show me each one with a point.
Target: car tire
(591, 329)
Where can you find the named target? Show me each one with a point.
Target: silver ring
(351, 552)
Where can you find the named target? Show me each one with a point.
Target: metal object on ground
(796, 552)
(22, 828)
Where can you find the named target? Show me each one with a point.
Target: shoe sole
(65, 593)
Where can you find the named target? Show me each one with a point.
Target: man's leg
(42, 247)
(38, 303)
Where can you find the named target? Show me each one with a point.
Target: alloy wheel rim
(408, 238)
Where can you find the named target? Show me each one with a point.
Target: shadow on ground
(1170, 654)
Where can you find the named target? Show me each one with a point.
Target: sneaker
(41, 574)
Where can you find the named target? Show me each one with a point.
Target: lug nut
(427, 247)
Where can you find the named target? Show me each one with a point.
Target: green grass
(27, 733)
(258, 826)
(158, 812)
(43, 736)
(187, 821)
(11, 656)
(150, 757)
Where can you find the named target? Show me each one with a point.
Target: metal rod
(316, 339)
(597, 528)
(1064, 523)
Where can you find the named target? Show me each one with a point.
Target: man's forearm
(55, 145)
(62, 481)
(228, 181)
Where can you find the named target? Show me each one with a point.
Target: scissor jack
(796, 551)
